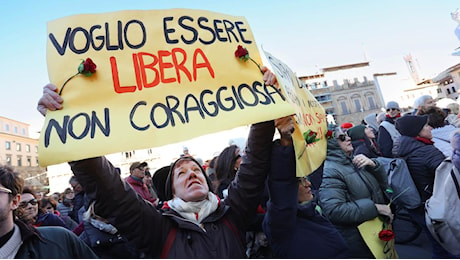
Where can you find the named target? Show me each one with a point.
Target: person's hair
(226, 163)
(73, 179)
(454, 108)
(11, 180)
(420, 100)
(436, 116)
(45, 201)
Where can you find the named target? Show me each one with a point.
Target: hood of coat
(335, 152)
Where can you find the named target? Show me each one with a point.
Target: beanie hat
(411, 125)
(346, 125)
(168, 184)
(356, 132)
(159, 180)
(392, 104)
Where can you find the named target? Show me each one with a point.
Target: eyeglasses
(392, 109)
(24, 204)
(303, 181)
(5, 190)
(342, 137)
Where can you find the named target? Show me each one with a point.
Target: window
(371, 102)
(15, 129)
(19, 160)
(8, 159)
(439, 90)
(7, 145)
(448, 91)
(23, 131)
(343, 104)
(357, 105)
(29, 161)
(36, 149)
(7, 128)
(18, 147)
(454, 90)
(28, 148)
(36, 161)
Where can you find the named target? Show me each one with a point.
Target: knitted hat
(392, 104)
(356, 132)
(135, 165)
(168, 184)
(346, 125)
(411, 125)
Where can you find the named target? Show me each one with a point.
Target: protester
(388, 134)
(20, 240)
(135, 179)
(371, 121)
(149, 183)
(422, 159)
(226, 168)
(452, 116)
(48, 204)
(30, 211)
(293, 223)
(363, 141)
(193, 223)
(441, 131)
(78, 200)
(423, 102)
(66, 205)
(352, 192)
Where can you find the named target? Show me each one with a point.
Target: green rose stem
(258, 66)
(63, 85)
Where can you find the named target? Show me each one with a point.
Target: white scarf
(11, 247)
(195, 211)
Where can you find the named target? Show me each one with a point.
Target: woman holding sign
(193, 222)
(352, 191)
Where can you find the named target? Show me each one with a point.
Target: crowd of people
(240, 204)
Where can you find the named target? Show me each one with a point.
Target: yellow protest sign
(162, 76)
(370, 232)
(310, 118)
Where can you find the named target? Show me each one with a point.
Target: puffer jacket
(294, 230)
(347, 196)
(422, 159)
(51, 242)
(165, 233)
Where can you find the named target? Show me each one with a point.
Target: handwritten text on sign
(163, 76)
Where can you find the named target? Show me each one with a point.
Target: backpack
(405, 193)
(442, 209)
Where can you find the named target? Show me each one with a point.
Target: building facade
(20, 151)
(348, 92)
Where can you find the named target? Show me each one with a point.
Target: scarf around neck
(195, 211)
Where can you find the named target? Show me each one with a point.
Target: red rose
(87, 67)
(241, 52)
(311, 134)
(329, 134)
(386, 235)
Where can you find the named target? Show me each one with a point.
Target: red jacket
(141, 189)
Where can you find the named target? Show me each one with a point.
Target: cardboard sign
(163, 76)
(309, 116)
(381, 249)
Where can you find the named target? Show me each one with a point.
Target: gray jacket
(347, 196)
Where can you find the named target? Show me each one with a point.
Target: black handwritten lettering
(97, 39)
(90, 124)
